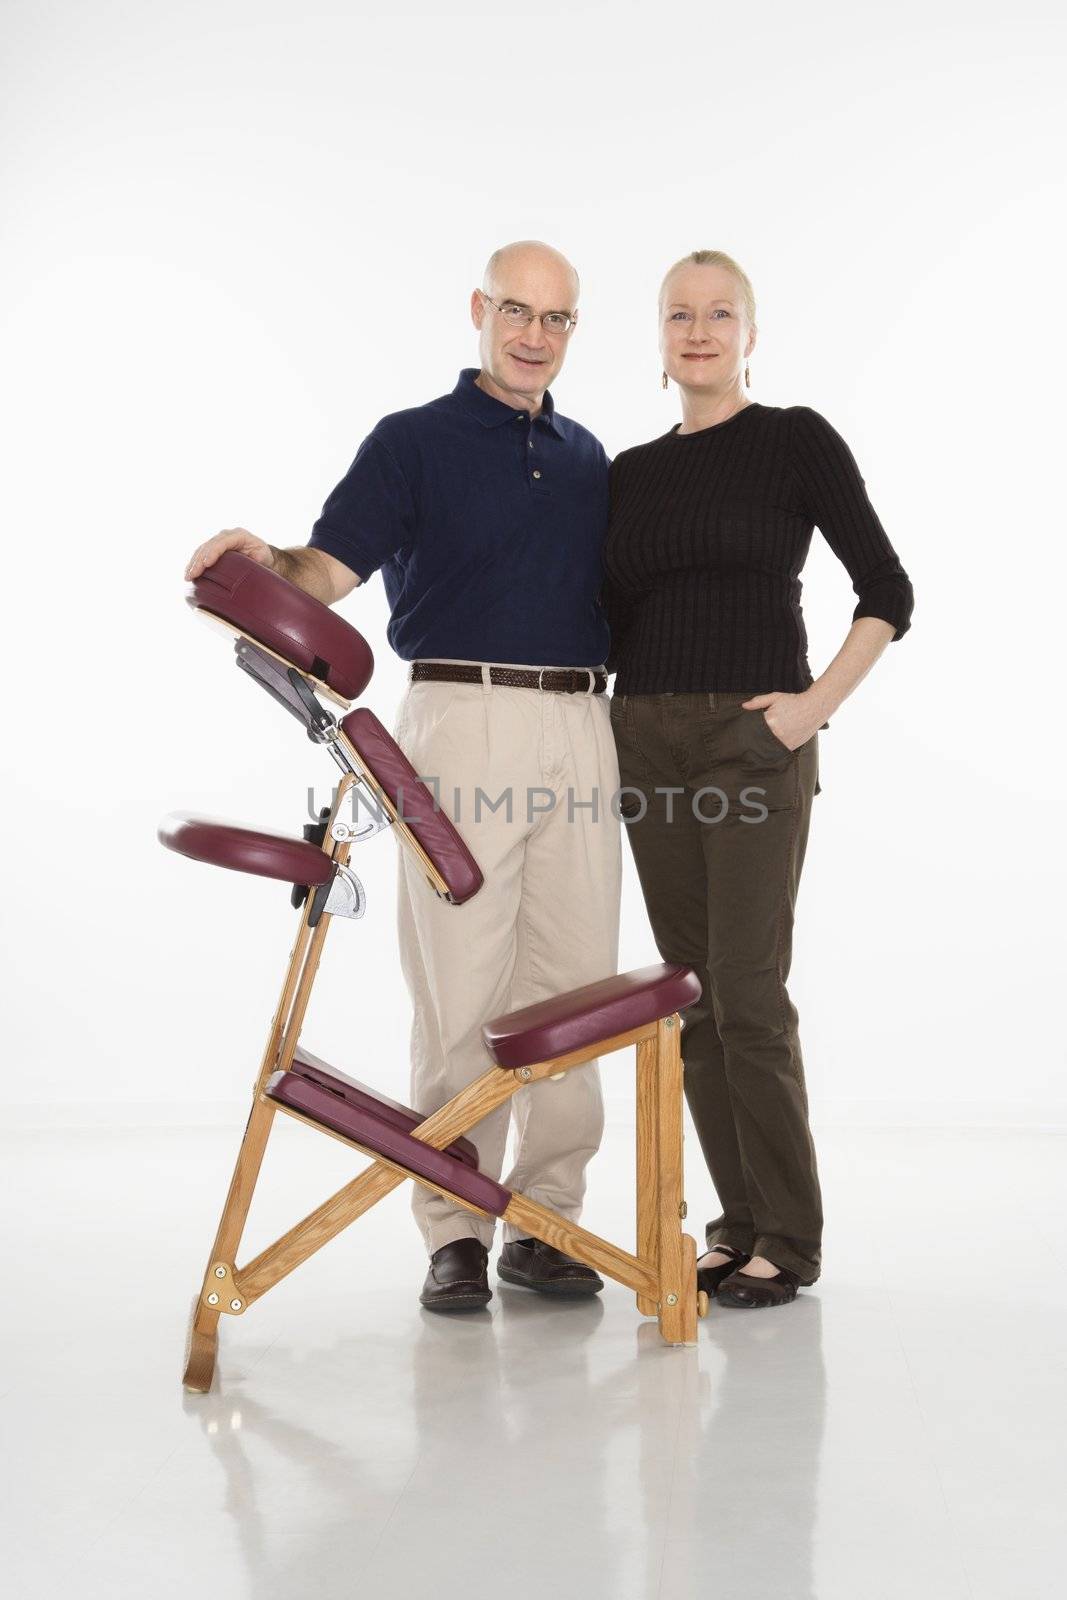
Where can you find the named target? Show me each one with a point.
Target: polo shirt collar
(491, 412)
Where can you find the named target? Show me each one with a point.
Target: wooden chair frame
(662, 1272)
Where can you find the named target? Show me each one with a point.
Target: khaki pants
(545, 920)
(720, 883)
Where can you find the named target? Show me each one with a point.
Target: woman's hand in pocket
(791, 717)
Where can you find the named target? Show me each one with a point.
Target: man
(486, 511)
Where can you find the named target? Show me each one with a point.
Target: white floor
(897, 1432)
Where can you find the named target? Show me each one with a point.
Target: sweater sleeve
(834, 496)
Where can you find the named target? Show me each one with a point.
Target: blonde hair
(717, 258)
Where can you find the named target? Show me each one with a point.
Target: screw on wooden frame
(217, 1275)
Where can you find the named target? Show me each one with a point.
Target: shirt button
(536, 473)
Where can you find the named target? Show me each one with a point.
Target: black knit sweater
(708, 535)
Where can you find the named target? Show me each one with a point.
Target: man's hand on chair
(229, 539)
(319, 574)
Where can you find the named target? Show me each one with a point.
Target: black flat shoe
(751, 1293)
(709, 1278)
(540, 1266)
(458, 1279)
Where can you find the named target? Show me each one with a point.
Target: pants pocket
(747, 761)
(769, 731)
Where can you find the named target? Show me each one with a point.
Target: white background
(235, 235)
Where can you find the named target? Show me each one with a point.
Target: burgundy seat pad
(575, 1020)
(372, 1132)
(226, 844)
(305, 1065)
(288, 620)
(415, 803)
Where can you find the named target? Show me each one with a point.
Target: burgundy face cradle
(289, 622)
(267, 611)
(295, 648)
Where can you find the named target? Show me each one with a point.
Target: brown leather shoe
(709, 1278)
(752, 1293)
(458, 1279)
(540, 1266)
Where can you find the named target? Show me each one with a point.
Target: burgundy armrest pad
(226, 844)
(415, 802)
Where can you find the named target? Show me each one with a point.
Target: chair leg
(203, 1334)
(677, 1251)
(690, 1309)
(201, 1347)
(647, 1165)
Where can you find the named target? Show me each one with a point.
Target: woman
(716, 717)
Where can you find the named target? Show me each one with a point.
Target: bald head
(519, 355)
(525, 258)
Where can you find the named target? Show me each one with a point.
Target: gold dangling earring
(664, 380)
(748, 380)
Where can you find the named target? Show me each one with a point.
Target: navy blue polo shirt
(488, 526)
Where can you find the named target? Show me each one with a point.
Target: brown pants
(717, 812)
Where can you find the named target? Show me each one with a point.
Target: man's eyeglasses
(521, 317)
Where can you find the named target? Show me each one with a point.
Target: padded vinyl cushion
(305, 1065)
(370, 1130)
(415, 803)
(581, 1017)
(292, 623)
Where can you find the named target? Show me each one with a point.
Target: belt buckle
(572, 674)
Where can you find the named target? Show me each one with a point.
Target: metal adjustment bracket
(321, 724)
(350, 833)
(289, 687)
(347, 896)
(221, 1291)
(343, 832)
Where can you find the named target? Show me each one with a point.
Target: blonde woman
(716, 716)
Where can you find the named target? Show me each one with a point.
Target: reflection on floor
(897, 1432)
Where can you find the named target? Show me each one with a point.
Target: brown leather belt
(563, 680)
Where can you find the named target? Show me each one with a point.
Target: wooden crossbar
(462, 1113)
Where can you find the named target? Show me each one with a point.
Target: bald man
(486, 511)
